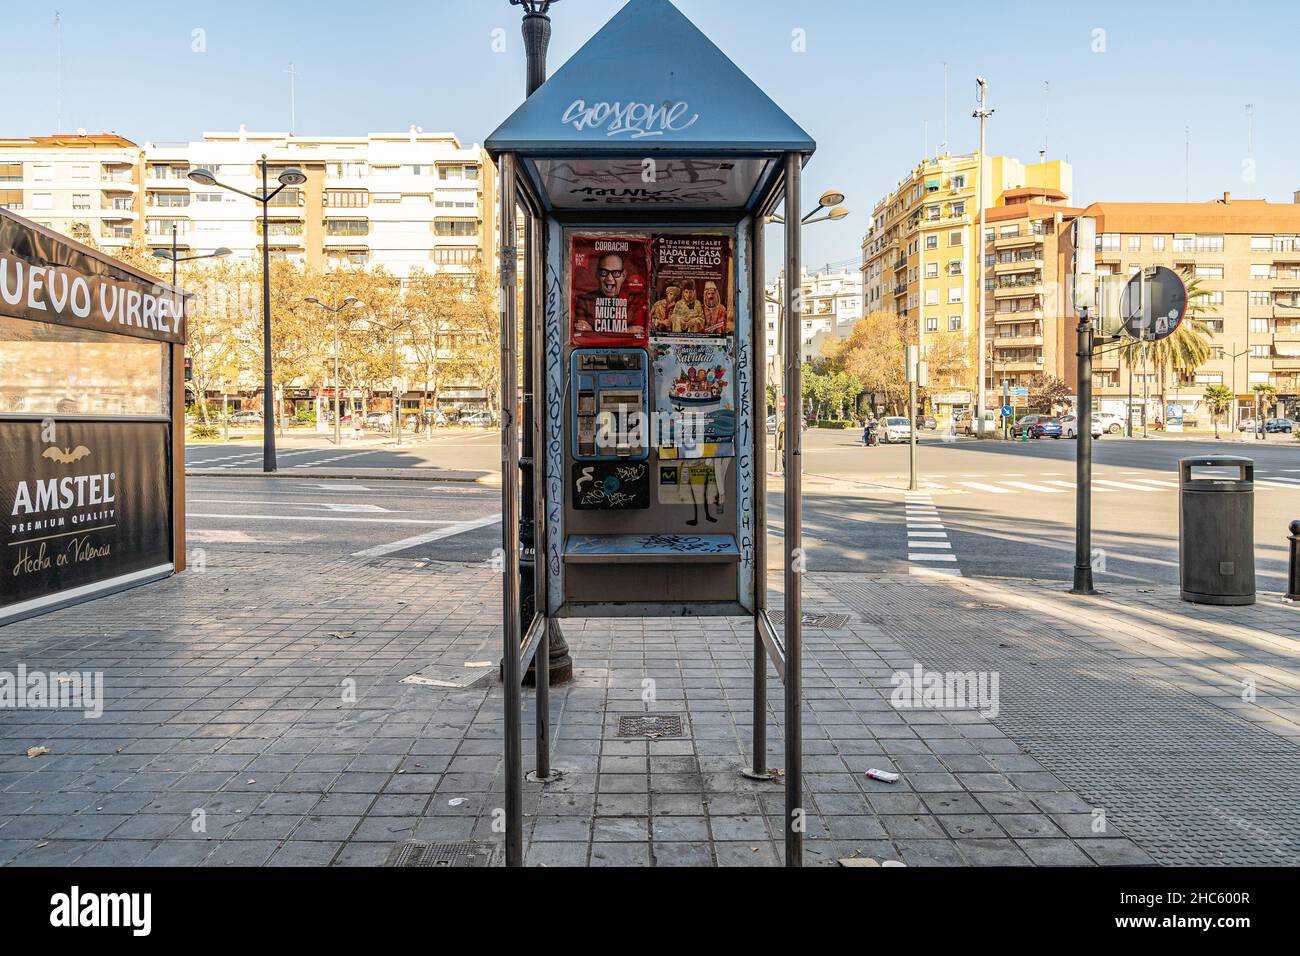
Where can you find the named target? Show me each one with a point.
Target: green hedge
(832, 423)
(201, 430)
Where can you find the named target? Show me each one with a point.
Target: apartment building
(1028, 257)
(920, 258)
(403, 201)
(831, 306)
(1246, 256)
(77, 184)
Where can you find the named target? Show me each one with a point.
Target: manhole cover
(438, 854)
(650, 725)
(827, 622)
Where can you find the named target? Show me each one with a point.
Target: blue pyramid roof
(649, 83)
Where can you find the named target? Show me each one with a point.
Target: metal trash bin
(1216, 530)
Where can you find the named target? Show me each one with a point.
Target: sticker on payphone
(610, 401)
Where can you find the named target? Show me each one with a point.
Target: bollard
(1293, 587)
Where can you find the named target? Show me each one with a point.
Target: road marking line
(940, 545)
(194, 514)
(926, 534)
(991, 489)
(1128, 485)
(1029, 486)
(1158, 482)
(405, 543)
(931, 557)
(1289, 481)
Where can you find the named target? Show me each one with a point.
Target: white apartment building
(77, 184)
(403, 201)
(832, 305)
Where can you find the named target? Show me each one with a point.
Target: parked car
(478, 420)
(379, 419)
(1247, 425)
(246, 418)
(1037, 426)
(895, 430)
(1279, 425)
(964, 423)
(1070, 427)
(1110, 423)
(928, 423)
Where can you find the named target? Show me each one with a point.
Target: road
(985, 509)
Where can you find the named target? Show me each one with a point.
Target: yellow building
(921, 258)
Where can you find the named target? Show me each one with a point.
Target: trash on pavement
(884, 776)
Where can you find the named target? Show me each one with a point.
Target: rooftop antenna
(1047, 115)
(1187, 164)
(293, 105)
(943, 147)
(58, 70)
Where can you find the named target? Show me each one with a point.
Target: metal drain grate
(438, 854)
(650, 725)
(827, 622)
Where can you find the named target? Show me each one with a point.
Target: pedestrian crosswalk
(929, 552)
(1101, 485)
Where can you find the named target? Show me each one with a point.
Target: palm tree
(1263, 391)
(1218, 398)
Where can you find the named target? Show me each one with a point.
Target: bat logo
(66, 457)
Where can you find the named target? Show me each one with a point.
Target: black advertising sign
(45, 279)
(90, 505)
(611, 485)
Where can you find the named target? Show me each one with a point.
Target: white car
(895, 430)
(1070, 427)
(1111, 424)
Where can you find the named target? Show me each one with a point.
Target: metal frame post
(758, 766)
(1083, 464)
(510, 629)
(794, 559)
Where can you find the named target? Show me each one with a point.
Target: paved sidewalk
(1121, 734)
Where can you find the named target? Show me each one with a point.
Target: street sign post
(643, 314)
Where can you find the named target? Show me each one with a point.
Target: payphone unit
(610, 398)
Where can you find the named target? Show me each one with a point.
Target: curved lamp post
(287, 177)
(347, 303)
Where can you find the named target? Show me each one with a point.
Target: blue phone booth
(642, 177)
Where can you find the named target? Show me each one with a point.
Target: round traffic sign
(1153, 304)
(1007, 411)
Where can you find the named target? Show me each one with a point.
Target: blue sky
(871, 75)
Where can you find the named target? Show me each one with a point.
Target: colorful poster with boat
(695, 398)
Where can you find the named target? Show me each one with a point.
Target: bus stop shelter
(635, 186)
(92, 422)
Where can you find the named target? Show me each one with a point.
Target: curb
(354, 474)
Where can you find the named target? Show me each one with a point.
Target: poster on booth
(691, 292)
(87, 504)
(610, 284)
(695, 399)
(611, 485)
(699, 482)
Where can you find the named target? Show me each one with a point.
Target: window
(932, 270)
(206, 198)
(932, 323)
(1134, 243)
(42, 173)
(990, 259)
(288, 197)
(954, 267)
(932, 242)
(1009, 232)
(11, 172)
(1260, 298)
(1261, 351)
(62, 370)
(81, 200)
(42, 200)
(1214, 325)
(347, 227)
(1209, 243)
(455, 227)
(1259, 272)
(274, 228)
(1261, 243)
(171, 200)
(1208, 298)
(958, 181)
(959, 209)
(347, 198)
(1207, 378)
(1108, 242)
(954, 323)
(1209, 272)
(1157, 243)
(11, 199)
(954, 294)
(1259, 326)
(955, 238)
(931, 296)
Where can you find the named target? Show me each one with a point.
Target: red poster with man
(610, 276)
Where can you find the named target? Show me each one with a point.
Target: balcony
(1016, 341)
(1035, 365)
(900, 289)
(1014, 290)
(1023, 315)
(1014, 242)
(1020, 265)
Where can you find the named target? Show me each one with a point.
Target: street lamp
(348, 303)
(286, 178)
(397, 402)
(174, 258)
(832, 197)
